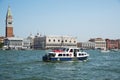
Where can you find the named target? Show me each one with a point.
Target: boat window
(60, 55)
(67, 54)
(63, 54)
(71, 50)
(64, 49)
(67, 49)
(81, 54)
(78, 50)
(52, 55)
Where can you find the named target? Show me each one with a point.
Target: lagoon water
(28, 65)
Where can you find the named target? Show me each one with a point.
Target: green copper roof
(9, 12)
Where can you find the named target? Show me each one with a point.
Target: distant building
(118, 43)
(112, 44)
(39, 42)
(13, 43)
(1, 39)
(79, 44)
(60, 41)
(88, 45)
(31, 39)
(9, 26)
(46, 42)
(99, 43)
(16, 43)
(26, 43)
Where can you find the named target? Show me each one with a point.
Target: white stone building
(31, 39)
(26, 43)
(88, 45)
(100, 43)
(60, 41)
(45, 42)
(16, 43)
(13, 43)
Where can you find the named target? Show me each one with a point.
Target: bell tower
(9, 26)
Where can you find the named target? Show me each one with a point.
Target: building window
(74, 41)
(49, 40)
(9, 22)
(70, 41)
(58, 40)
(65, 40)
(54, 40)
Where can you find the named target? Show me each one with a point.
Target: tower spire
(9, 26)
(9, 14)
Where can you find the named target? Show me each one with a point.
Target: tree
(1, 45)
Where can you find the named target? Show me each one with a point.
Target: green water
(28, 65)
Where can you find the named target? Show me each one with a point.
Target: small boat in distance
(66, 54)
(105, 50)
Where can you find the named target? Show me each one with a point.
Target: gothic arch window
(58, 40)
(54, 40)
(62, 41)
(49, 40)
(65, 40)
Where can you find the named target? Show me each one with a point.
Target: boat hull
(47, 59)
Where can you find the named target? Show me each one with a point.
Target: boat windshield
(51, 55)
(61, 49)
(66, 49)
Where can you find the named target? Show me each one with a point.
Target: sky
(83, 19)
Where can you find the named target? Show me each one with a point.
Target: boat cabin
(67, 52)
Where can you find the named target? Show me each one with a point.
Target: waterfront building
(118, 43)
(16, 43)
(1, 39)
(60, 41)
(88, 45)
(13, 43)
(46, 42)
(99, 43)
(112, 44)
(31, 39)
(9, 25)
(79, 44)
(26, 43)
(38, 42)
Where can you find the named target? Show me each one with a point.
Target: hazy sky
(83, 19)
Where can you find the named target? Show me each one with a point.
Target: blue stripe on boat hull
(67, 59)
(60, 59)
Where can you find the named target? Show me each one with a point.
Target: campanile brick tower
(9, 26)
